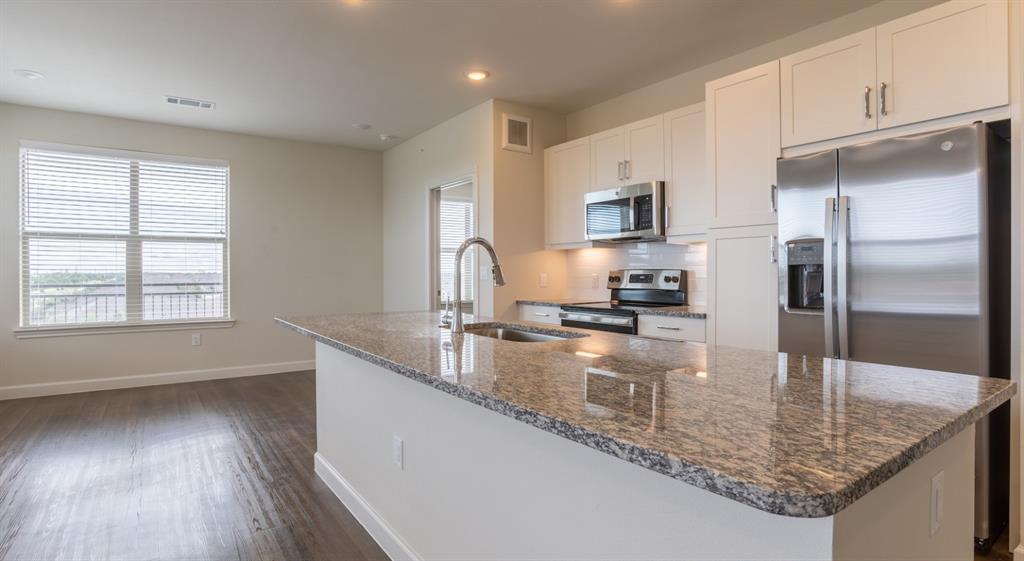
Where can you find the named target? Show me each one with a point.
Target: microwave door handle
(634, 216)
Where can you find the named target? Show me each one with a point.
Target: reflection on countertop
(789, 434)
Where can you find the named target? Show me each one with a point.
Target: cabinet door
(686, 191)
(645, 150)
(607, 152)
(743, 144)
(743, 288)
(942, 61)
(539, 314)
(566, 179)
(829, 91)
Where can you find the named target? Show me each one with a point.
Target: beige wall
(684, 89)
(304, 239)
(457, 148)
(519, 213)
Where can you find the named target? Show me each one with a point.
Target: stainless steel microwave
(632, 213)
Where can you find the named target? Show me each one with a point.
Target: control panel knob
(675, 279)
(668, 278)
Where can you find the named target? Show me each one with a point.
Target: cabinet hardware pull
(775, 198)
(620, 172)
(629, 168)
(867, 102)
(668, 327)
(771, 250)
(541, 315)
(882, 94)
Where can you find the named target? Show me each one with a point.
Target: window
(111, 237)
(454, 219)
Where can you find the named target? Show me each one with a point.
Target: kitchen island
(646, 449)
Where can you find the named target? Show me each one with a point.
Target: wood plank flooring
(205, 470)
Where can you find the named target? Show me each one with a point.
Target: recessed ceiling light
(362, 126)
(387, 137)
(477, 75)
(29, 74)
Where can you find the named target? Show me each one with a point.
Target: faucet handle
(446, 315)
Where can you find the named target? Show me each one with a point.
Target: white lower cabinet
(539, 314)
(671, 327)
(743, 288)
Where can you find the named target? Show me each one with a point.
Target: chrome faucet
(499, 280)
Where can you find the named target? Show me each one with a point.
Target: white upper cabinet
(949, 59)
(566, 180)
(634, 153)
(607, 154)
(686, 190)
(742, 145)
(830, 90)
(645, 151)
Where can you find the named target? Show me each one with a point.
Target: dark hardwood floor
(204, 470)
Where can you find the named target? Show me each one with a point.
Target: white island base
(476, 485)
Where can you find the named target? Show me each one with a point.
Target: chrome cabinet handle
(628, 166)
(867, 102)
(667, 327)
(541, 315)
(882, 94)
(774, 193)
(772, 257)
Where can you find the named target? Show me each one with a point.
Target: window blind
(112, 237)
(456, 225)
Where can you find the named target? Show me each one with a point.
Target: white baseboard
(118, 382)
(1018, 553)
(386, 537)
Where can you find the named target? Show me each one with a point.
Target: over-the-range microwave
(631, 213)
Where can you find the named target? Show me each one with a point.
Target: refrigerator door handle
(829, 265)
(842, 283)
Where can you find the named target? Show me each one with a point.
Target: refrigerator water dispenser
(805, 272)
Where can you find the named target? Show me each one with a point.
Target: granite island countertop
(697, 312)
(788, 434)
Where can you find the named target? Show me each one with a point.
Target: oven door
(598, 322)
(625, 214)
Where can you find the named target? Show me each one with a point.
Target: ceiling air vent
(188, 102)
(516, 133)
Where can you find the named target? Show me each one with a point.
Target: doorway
(453, 218)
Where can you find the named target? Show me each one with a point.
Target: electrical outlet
(543, 280)
(937, 496)
(197, 339)
(397, 451)
(595, 281)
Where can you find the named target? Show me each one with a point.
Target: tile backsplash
(583, 264)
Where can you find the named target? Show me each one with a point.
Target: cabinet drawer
(539, 314)
(669, 327)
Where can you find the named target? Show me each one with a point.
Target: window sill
(109, 328)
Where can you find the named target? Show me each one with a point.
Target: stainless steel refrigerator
(897, 252)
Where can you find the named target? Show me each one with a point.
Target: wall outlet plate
(543, 280)
(197, 339)
(595, 281)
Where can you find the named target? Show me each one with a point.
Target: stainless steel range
(632, 290)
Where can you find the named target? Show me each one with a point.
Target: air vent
(516, 133)
(188, 102)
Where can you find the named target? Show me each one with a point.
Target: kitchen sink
(508, 333)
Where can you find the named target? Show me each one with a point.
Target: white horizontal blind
(456, 225)
(112, 238)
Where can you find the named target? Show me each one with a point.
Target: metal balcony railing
(59, 304)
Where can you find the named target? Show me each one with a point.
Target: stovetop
(616, 307)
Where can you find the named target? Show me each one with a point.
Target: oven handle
(593, 318)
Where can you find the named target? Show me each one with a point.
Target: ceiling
(308, 70)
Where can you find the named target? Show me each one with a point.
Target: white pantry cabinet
(566, 180)
(634, 153)
(949, 59)
(685, 189)
(742, 146)
(830, 90)
(743, 288)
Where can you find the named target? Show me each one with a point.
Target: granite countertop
(787, 434)
(698, 312)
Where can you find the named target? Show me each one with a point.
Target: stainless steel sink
(520, 335)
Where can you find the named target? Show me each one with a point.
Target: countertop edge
(768, 500)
